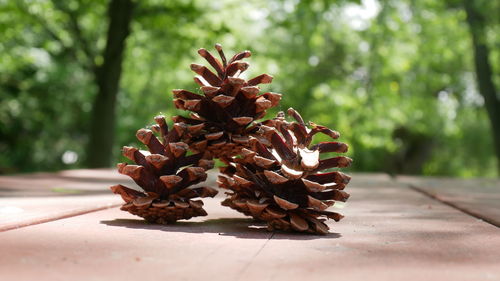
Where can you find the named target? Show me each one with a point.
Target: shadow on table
(237, 227)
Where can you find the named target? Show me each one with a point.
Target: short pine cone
(222, 118)
(283, 184)
(165, 174)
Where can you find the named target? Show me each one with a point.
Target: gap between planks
(64, 215)
(471, 213)
(242, 271)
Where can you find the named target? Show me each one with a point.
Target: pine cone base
(240, 207)
(164, 212)
(277, 219)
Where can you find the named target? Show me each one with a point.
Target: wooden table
(67, 226)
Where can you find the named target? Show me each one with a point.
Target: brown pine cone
(222, 118)
(165, 174)
(283, 184)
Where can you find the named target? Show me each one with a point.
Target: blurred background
(413, 86)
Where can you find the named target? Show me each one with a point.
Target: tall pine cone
(165, 175)
(283, 184)
(222, 117)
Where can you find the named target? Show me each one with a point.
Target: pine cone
(222, 118)
(283, 184)
(165, 175)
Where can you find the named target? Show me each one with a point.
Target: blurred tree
(73, 31)
(104, 66)
(107, 77)
(484, 73)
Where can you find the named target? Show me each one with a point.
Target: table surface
(67, 226)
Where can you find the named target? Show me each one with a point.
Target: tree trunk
(107, 77)
(484, 72)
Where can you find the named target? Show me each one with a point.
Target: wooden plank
(390, 233)
(83, 182)
(41, 197)
(19, 212)
(61, 183)
(477, 197)
(109, 175)
(114, 245)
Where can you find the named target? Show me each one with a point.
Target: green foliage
(394, 77)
